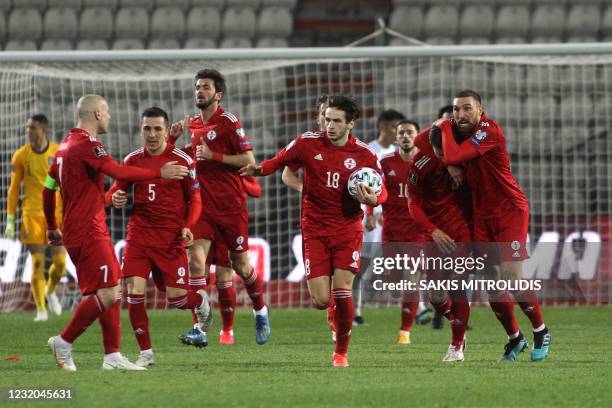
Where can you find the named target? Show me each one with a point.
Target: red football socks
(227, 304)
(528, 302)
(503, 307)
(86, 313)
(110, 321)
(345, 313)
(139, 320)
(254, 287)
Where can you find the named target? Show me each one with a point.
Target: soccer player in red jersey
(222, 147)
(219, 256)
(79, 167)
(331, 218)
(292, 181)
(159, 229)
(440, 208)
(397, 226)
(501, 212)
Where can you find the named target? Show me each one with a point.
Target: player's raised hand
(178, 128)
(251, 170)
(119, 199)
(187, 237)
(174, 171)
(54, 237)
(456, 174)
(203, 152)
(366, 195)
(445, 243)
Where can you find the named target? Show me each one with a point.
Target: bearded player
(501, 211)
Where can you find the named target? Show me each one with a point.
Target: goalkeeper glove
(9, 232)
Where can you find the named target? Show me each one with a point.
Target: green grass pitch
(294, 369)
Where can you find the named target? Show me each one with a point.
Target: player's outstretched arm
(203, 152)
(169, 170)
(251, 170)
(454, 153)
(291, 180)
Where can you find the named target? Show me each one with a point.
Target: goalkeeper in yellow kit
(30, 166)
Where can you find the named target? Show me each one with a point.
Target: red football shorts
(324, 254)
(218, 255)
(96, 265)
(169, 265)
(508, 232)
(232, 230)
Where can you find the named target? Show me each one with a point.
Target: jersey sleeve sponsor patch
(479, 137)
(99, 151)
(240, 132)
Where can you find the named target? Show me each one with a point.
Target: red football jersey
(327, 207)
(160, 206)
(398, 225)
(76, 167)
(487, 170)
(433, 202)
(221, 187)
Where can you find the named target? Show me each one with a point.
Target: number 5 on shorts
(104, 268)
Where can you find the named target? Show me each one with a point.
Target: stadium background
(554, 108)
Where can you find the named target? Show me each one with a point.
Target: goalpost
(553, 101)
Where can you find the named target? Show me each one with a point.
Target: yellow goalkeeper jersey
(30, 168)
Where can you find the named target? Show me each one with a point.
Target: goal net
(554, 110)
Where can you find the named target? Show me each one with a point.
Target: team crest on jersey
(240, 240)
(192, 174)
(479, 137)
(516, 245)
(413, 178)
(240, 132)
(211, 135)
(350, 163)
(100, 152)
(355, 255)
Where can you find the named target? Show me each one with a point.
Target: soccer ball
(367, 176)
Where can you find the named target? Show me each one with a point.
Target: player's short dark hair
(347, 104)
(468, 93)
(409, 122)
(155, 112)
(435, 137)
(389, 115)
(323, 98)
(40, 118)
(214, 75)
(445, 109)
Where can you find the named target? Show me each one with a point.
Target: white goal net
(555, 112)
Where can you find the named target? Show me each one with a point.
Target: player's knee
(241, 266)
(224, 274)
(108, 296)
(321, 302)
